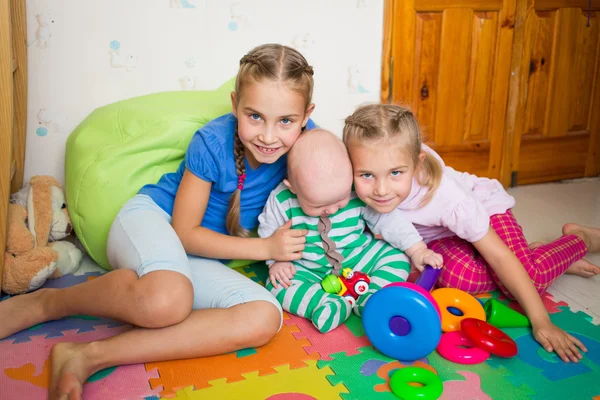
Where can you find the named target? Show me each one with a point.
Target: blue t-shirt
(210, 157)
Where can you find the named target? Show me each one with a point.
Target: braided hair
(273, 62)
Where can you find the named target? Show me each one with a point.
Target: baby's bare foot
(69, 371)
(583, 268)
(591, 236)
(22, 311)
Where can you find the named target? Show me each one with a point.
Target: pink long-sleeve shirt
(461, 206)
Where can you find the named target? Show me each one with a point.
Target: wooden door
(6, 117)
(449, 61)
(557, 99)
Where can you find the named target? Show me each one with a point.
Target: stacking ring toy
(432, 384)
(467, 304)
(419, 289)
(429, 277)
(456, 347)
(489, 338)
(402, 323)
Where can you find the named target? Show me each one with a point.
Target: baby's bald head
(319, 170)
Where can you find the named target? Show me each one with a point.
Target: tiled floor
(542, 210)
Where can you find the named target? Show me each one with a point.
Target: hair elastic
(241, 180)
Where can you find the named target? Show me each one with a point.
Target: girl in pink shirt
(466, 219)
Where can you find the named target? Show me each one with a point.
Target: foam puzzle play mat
(348, 363)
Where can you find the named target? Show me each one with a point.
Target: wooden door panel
(568, 158)
(427, 44)
(479, 89)
(559, 73)
(538, 42)
(453, 77)
(451, 67)
(441, 5)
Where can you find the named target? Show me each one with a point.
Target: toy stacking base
(402, 323)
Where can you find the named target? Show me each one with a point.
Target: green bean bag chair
(122, 146)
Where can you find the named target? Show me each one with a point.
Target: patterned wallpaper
(87, 53)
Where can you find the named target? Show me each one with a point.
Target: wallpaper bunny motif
(85, 54)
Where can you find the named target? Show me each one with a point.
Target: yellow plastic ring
(467, 304)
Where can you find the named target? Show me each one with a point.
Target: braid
(233, 215)
(403, 113)
(249, 59)
(238, 152)
(351, 120)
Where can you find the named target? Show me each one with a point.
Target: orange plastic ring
(467, 304)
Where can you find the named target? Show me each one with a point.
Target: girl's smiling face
(270, 118)
(383, 172)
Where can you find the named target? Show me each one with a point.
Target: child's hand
(551, 337)
(432, 258)
(281, 272)
(286, 244)
(424, 257)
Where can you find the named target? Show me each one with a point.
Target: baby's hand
(552, 338)
(282, 272)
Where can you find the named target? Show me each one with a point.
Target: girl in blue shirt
(166, 242)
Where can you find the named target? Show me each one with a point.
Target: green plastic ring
(432, 384)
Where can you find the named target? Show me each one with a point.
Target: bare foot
(22, 311)
(591, 236)
(69, 371)
(535, 245)
(583, 268)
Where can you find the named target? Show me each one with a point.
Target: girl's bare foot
(583, 268)
(591, 236)
(22, 311)
(69, 371)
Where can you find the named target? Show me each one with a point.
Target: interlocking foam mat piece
(302, 364)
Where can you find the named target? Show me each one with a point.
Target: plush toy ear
(39, 208)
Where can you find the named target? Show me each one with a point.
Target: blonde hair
(385, 122)
(274, 62)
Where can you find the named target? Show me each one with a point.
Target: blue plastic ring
(391, 302)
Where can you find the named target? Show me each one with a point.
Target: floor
(542, 210)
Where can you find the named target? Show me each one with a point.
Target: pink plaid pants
(465, 269)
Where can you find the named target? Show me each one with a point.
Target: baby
(318, 197)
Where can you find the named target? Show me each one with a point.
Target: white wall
(164, 45)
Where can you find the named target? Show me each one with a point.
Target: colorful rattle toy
(402, 320)
(400, 384)
(351, 285)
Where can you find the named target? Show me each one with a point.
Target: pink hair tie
(241, 180)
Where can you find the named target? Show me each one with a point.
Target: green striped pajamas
(381, 261)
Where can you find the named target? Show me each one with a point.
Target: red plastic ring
(489, 337)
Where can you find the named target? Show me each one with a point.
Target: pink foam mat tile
(25, 372)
